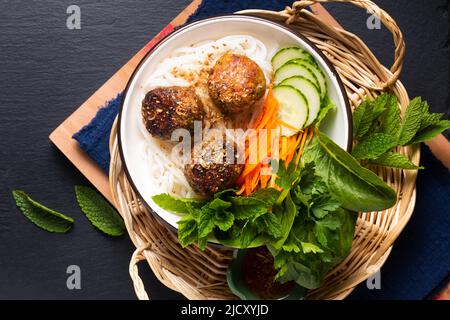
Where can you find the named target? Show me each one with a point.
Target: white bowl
(337, 125)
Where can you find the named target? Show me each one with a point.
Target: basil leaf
(355, 187)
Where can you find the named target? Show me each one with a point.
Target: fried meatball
(235, 83)
(168, 108)
(214, 166)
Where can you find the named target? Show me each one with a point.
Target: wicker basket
(202, 275)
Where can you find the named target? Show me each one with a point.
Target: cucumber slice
(310, 92)
(292, 69)
(286, 54)
(314, 67)
(292, 108)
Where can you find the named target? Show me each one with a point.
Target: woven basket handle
(385, 18)
(139, 287)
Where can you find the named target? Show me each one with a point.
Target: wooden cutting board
(62, 135)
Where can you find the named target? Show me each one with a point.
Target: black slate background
(46, 71)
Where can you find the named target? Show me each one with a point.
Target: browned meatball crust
(210, 169)
(165, 109)
(235, 83)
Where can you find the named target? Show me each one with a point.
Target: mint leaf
(40, 215)
(394, 160)
(205, 224)
(272, 225)
(267, 195)
(99, 212)
(411, 121)
(173, 204)
(248, 207)
(365, 115)
(390, 120)
(430, 132)
(187, 231)
(224, 220)
(374, 146)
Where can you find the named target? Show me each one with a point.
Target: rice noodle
(188, 66)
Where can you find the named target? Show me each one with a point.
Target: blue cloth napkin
(420, 259)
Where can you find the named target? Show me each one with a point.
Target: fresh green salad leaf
(355, 187)
(40, 215)
(389, 121)
(99, 212)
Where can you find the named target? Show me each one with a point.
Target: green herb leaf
(355, 187)
(374, 146)
(390, 120)
(268, 195)
(99, 212)
(395, 160)
(40, 215)
(173, 204)
(286, 216)
(310, 247)
(326, 107)
(430, 132)
(272, 225)
(187, 231)
(365, 115)
(411, 121)
(248, 207)
(323, 206)
(286, 176)
(223, 220)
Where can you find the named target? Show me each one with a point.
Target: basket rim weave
(363, 75)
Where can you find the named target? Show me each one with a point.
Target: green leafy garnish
(99, 212)
(378, 129)
(355, 187)
(40, 215)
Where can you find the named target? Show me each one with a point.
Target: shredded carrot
(269, 144)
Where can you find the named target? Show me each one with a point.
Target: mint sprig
(378, 128)
(40, 215)
(99, 212)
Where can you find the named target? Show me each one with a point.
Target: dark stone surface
(47, 70)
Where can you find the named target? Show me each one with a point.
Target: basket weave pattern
(202, 275)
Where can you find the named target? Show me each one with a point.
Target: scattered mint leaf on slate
(411, 121)
(394, 160)
(99, 212)
(374, 146)
(40, 215)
